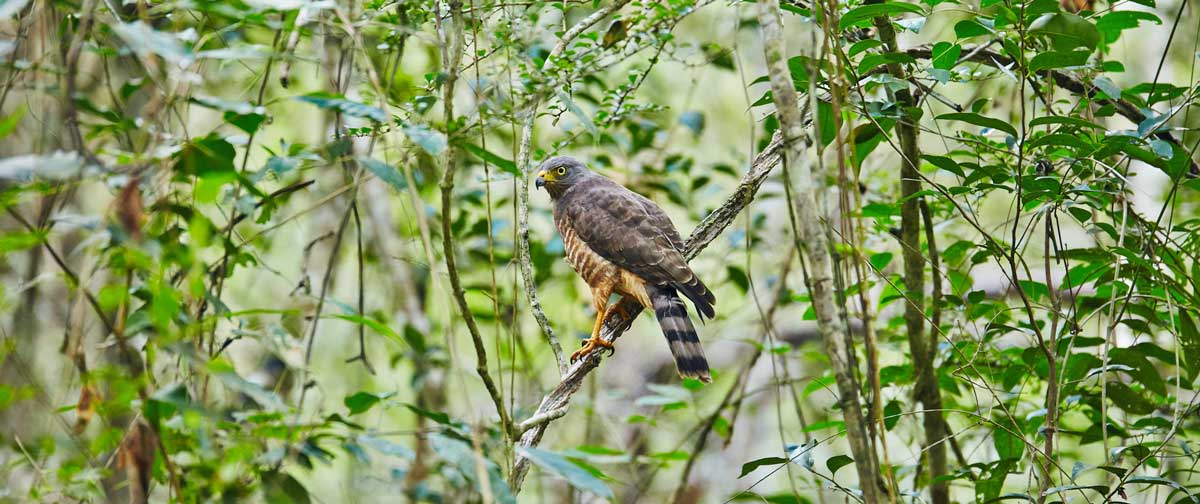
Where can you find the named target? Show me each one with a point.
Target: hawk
(620, 242)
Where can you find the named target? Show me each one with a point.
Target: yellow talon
(590, 344)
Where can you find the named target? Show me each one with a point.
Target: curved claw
(589, 345)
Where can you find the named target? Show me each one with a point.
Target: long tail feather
(681, 335)
(701, 297)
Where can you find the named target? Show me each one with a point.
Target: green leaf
(436, 416)
(1064, 120)
(837, 462)
(375, 325)
(880, 261)
(825, 122)
(1008, 446)
(944, 163)
(1189, 341)
(467, 461)
(18, 241)
(968, 28)
(867, 12)
(1113, 23)
(346, 106)
(871, 61)
(817, 384)
(9, 123)
(385, 172)
(979, 120)
(208, 155)
(1128, 399)
(1155, 480)
(750, 466)
(1107, 86)
(433, 142)
(495, 159)
(861, 46)
(562, 467)
(1066, 31)
(363, 401)
(738, 276)
(891, 414)
(210, 160)
(280, 488)
(944, 55)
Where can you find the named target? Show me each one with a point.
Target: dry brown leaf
(129, 207)
(85, 409)
(1078, 5)
(137, 458)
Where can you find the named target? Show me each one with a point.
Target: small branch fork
(554, 404)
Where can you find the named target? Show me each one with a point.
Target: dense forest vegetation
(296, 251)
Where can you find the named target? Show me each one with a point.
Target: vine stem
(815, 245)
(923, 352)
(535, 305)
(452, 44)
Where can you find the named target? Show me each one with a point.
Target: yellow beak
(541, 179)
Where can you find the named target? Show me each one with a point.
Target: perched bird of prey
(621, 242)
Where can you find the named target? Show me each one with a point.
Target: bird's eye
(562, 170)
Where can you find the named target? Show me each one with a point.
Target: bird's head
(559, 173)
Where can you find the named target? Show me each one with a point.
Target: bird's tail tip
(681, 337)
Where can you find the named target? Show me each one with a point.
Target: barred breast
(593, 268)
(597, 271)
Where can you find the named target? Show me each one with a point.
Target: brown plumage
(621, 242)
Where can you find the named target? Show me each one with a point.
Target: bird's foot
(589, 345)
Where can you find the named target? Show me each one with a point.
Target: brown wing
(633, 233)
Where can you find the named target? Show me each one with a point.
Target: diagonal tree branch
(614, 326)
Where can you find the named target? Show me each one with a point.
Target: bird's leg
(600, 300)
(620, 309)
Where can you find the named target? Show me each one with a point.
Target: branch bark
(926, 388)
(816, 250)
(614, 326)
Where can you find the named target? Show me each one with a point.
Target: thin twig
(362, 342)
(452, 43)
(523, 256)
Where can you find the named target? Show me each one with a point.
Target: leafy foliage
(224, 279)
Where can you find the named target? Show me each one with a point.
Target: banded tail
(681, 334)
